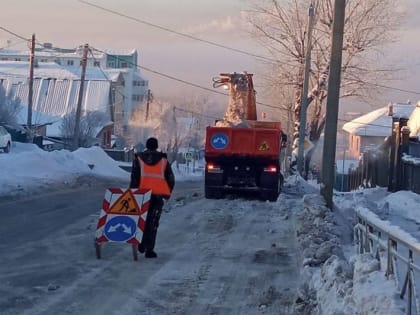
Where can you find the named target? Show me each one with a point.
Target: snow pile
(236, 112)
(331, 283)
(401, 203)
(27, 169)
(325, 270)
(367, 271)
(106, 165)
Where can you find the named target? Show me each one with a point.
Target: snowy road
(215, 257)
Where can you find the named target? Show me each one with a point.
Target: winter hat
(152, 143)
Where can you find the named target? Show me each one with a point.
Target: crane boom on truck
(242, 154)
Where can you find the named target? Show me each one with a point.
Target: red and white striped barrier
(123, 216)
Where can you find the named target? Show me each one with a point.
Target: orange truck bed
(262, 140)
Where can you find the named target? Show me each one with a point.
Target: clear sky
(70, 23)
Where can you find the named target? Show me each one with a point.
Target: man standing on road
(152, 171)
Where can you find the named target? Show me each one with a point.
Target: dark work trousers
(152, 222)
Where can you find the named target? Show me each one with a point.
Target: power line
(191, 83)
(195, 113)
(13, 33)
(181, 80)
(393, 88)
(176, 32)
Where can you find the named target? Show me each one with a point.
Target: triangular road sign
(125, 204)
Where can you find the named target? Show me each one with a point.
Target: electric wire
(197, 85)
(166, 29)
(208, 89)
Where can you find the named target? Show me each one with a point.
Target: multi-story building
(111, 62)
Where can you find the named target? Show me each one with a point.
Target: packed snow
(335, 280)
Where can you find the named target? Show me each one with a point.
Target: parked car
(5, 140)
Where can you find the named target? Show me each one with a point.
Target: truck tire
(211, 193)
(270, 196)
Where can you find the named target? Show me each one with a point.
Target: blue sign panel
(120, 229)
(219, 141)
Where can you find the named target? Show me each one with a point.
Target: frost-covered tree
(176, 123)
(281, 28)
(9, 107)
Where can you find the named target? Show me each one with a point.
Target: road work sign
(123, 216)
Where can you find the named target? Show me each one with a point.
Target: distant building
(55, 93)
(370, 130)
(135, 86)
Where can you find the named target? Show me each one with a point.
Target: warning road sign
(123, 215)
(126, 203)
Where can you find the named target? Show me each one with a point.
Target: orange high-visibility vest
(153, 177)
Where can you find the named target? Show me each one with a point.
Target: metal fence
(395, 164)
(396, 250)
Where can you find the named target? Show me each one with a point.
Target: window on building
(44, 60)
(96, 64)
(70, 62)
(4, 58)
(124, 65)
(17, 59)
(137, 98)
(111, 64)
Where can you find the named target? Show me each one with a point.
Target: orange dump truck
(244, 159)
(242, 154)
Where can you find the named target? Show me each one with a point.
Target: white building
(110, 62)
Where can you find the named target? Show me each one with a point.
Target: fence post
(367, 247)
(389, 265)
(392, 154)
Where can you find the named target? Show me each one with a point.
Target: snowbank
(331, 283)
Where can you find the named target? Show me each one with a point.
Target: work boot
(141, 248)
(150, 254)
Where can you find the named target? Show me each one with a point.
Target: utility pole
(304, 95)
(80, 98)
(147, 104)
(31, 83)
(328, 154)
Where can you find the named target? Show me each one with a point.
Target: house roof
(19, 70)
(378, 123)
(120, 52)
(51, 52)
(55, 90)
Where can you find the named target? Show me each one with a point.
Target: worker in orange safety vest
(152, 171)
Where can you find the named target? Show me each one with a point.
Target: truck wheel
(210, 193)
(270, 196)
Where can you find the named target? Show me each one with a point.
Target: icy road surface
(231, 256)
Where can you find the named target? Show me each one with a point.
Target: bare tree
(90, 125)
(281, 27)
